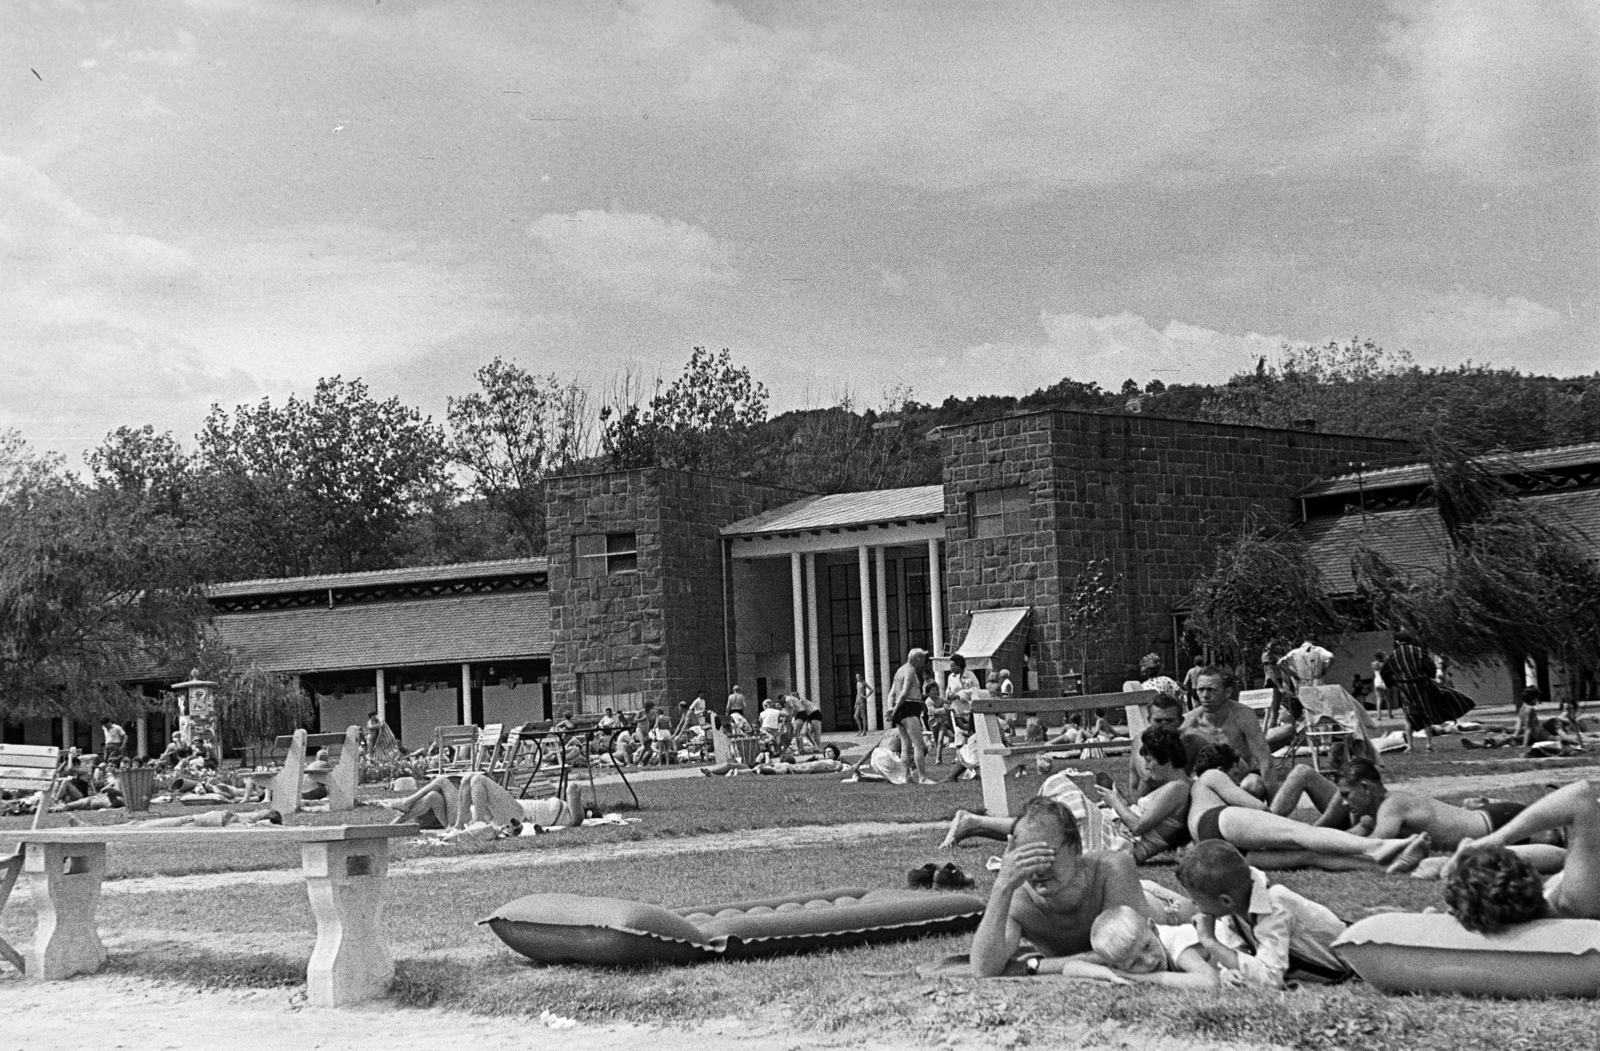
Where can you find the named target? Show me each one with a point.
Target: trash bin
(138, 785)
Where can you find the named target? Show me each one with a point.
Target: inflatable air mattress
(1432, 953)
(572, 928)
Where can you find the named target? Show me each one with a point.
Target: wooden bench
(24, 768)
(995, 757)
(346, 869)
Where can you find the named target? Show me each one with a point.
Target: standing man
(863, 698)
(906, 712)
(116, 741)
(1189, 696)
(735, 704)
(1222, 719)
(959, 687)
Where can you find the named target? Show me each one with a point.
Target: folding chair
(453, 748)
(486, 750)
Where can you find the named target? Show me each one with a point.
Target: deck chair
(487, 748)
(453, 748)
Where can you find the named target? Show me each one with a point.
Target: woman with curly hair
(1488, 882)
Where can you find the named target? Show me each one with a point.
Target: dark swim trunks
(907, 710)
(1210, 825)
(1500, 811)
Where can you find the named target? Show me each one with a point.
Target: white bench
(346, 869)
(24, 768)
(995, 757)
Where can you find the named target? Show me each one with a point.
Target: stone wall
(666, 620)
(1153, 495)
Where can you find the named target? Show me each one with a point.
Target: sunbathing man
(209, 819)
(1220, 809)
(1490, 887)
(441, 804)
(1223, 720)
(1049, 892)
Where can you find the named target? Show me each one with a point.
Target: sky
(219, 201)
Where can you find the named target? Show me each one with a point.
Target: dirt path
(448, 861)
(114, 1012)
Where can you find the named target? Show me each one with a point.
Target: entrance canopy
(989, 631)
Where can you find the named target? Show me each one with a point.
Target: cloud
(1109, 350)
(637, 257)
(1470, 323)
(1502, 91)
(101, 325)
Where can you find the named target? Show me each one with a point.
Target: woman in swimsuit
(1220, 809)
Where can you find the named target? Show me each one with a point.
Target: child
(771, 725)
(940, 720)
(1139, 949)
(1255, 932)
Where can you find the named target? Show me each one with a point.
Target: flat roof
(1530, 461)
(839, 510)
(380, 577)
(1123, 414)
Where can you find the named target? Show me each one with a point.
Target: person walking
(1409, 672)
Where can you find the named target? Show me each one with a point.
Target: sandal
(922, 876)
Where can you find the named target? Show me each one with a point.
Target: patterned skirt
(1429, 704)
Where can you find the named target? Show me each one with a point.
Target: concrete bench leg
(347, 882)
(65, 882)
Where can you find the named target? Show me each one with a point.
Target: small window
(622, 690)
(602, 554)
(1000, 512)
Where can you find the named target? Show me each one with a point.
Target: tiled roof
(498, 625)
(1414, 538)
(379, 577)
(1420, 473)
(844, 509)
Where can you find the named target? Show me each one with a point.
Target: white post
(466, 694)
(813, 661)
(67, 733)
(936, 593)
(141, 736)
(797, 585)
(883, 660)
(383, 696)
(868, 648)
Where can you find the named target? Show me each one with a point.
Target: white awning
(989, 631)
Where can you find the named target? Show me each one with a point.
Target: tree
(515, 433)
(256, 705)
(140, 462)
(318, 485)
(1086, 611)
(1516, 581)
(1261, 589)
(695, 424)
(95, 584)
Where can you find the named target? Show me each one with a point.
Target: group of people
(920, 709)
(1200, 783)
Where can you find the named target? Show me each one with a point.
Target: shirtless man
(1224, 720)
(1165, 713)
(1049, 892)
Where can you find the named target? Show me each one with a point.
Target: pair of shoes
(949, 875)
(922, 875)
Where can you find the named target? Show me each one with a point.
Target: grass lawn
(253, 935)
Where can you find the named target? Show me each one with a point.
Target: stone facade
(667, 620)
(1153, 495)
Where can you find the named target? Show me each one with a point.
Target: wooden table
(346, 869)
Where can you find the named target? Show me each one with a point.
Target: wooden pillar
(869, 649)
(882, 658)
(936, 596)
(141, 736)
(466, 694)
(813, 650)
(383, 697)
(797, 585)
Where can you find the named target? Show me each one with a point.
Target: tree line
(102, 573)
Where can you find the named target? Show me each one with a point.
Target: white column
(67, 733)
(383, 696)
(466, 694)
(936, 594)
(813, 657)
(797, 585)
(882, 658)
(141, 736)
(869, 651)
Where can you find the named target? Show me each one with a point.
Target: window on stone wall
(622, 690)
(1000, 512)
(603, 554)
